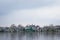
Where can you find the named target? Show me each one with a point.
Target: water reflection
(29, 36)
(13, 36)
(21, 36)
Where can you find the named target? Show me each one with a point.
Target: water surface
(29, 36)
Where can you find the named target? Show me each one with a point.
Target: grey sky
(41, 12)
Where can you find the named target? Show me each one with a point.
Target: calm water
(29, 36)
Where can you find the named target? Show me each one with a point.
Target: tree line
(30, 28)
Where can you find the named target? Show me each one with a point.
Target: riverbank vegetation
(30, 28)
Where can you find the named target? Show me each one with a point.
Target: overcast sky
(41, 12)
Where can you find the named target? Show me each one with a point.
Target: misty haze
(29, 19)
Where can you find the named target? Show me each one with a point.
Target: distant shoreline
(30, 28)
